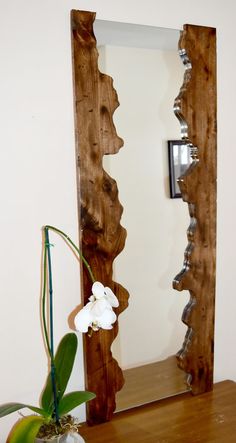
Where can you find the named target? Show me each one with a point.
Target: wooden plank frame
(102, 237)
(195, 107)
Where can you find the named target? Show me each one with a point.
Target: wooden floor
(151, 382)
(207, 418)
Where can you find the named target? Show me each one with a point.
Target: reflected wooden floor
(151, 382)
(206, 418)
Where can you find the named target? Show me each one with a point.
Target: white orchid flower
(97, 313)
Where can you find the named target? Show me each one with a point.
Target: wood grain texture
(196, 109)
(207, 418)
(102, 237)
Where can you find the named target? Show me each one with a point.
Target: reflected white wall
(147, 82)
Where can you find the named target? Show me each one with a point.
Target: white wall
(38, 171)
(147, 81)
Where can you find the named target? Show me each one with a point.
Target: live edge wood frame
(102, 237)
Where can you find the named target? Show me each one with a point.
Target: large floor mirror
(139, 365)
(147, 73)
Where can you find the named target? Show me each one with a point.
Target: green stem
(47, 268)
(50, 288)
(44, 298)
(52, 228)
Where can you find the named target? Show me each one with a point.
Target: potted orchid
(51, 421)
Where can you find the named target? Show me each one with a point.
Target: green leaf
(26, 429)
(8, 408)
(73, 399)
(64, 361)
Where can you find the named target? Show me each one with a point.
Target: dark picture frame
(179, 161)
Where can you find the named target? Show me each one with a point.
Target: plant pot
(70, 437)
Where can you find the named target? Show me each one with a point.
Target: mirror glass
(148, 73)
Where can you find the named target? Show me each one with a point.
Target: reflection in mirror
(179, 162)
(147, 73)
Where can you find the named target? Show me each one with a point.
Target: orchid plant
(51, 417)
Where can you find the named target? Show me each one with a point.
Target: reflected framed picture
(179, 161)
